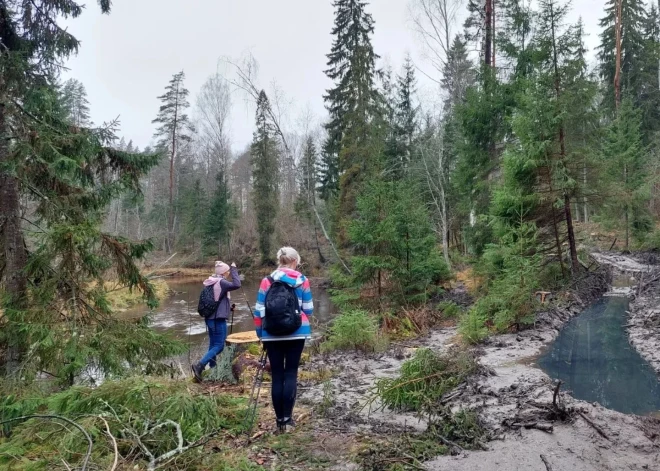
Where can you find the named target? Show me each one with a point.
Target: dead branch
(160, 265)
(595, 427)
(114, 443)
(536, 425)
(556, 394)
(547, 464)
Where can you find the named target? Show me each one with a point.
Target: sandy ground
(574, 446)
(633, 442)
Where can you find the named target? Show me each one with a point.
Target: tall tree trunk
(584, 198)
(15, 255)
(575, 265)
(139, 222)
(617, 72)
(170, 214)
(488, 37)
(493, 33)
(445, 228)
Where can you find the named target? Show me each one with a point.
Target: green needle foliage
(394, 243)
(130, 407)
(424, 379)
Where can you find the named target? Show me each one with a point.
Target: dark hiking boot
(197, 372)
(288, 425)
(280, 426)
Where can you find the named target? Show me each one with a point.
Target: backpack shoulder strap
(271, 279)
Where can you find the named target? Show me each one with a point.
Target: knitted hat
(221, 268)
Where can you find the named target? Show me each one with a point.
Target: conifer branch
(90, 443)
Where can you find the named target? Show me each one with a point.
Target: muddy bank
(623, 442)
(643, 324)
(632, 442)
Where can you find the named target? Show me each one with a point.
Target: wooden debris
(547, 464)
(595, 427)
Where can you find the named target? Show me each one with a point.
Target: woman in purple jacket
(217, 323)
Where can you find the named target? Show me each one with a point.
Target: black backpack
(207, 305)
(283, 315)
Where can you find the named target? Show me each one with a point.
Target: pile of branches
(543, 416)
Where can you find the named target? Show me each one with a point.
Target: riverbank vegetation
(499, 186)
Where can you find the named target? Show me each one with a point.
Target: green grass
(355, 330)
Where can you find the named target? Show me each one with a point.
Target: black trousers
(284, 356)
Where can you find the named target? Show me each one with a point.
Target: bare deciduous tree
(212, 113)
(435, 21)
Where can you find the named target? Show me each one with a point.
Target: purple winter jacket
(221, 288)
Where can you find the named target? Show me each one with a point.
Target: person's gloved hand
(233, 306)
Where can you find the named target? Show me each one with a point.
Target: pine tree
(173, 132)
(75, 103)
(264, 155)
(353, 104)
(219, 218)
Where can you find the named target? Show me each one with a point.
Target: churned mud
(507, 395)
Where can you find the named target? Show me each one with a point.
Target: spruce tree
(194, 212)
(514, 36)
(218, 218)
(458, 75)
(308, 173)
(264, 154)
(353, 104)
(633, 18)
(395, 242)
(391, 145)
(626, 163)
(75, 102)
(406, 115)
(173, 132)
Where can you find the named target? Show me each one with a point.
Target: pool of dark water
(178, 313)
(593, 358)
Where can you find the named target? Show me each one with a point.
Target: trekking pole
(231, 327)
(254, 399)
(247, 302)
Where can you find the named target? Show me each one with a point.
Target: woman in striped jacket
(284, 351)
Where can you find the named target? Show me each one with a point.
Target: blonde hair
(287, 255)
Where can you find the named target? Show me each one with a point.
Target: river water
(593, 358)
(178, 313)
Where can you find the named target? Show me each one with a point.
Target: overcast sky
(128, 57)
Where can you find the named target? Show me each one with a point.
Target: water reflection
(594, 359)
(178, 314)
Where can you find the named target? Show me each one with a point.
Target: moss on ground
(123, 298)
